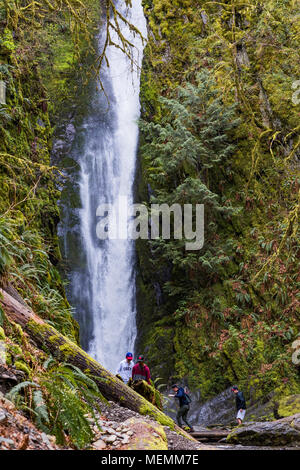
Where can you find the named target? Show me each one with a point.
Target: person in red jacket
(140, 371)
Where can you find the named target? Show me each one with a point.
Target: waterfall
(102, 280)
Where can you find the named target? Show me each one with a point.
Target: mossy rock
(147, 436)
(284, 431)
(289, 405)
(16, 351)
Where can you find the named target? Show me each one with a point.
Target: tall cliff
(44, 49)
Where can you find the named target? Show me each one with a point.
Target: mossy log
(149, 392)
(64, 350)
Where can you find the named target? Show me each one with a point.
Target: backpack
(187, 396)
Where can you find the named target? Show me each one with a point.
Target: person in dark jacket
(240, 404)
(184, 406)
(140, 371)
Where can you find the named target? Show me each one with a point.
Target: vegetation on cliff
(41, 47)
(45, 60)
(229, 312)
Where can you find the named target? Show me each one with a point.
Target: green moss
(40, 328)
(7, 43)
(161, 418)
(54, 338)
(2, 334)
(15, 350)
(227, 324)
(68, 350)
(289, 405)
(8, 359)
(20, 365)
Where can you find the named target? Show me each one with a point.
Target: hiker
(125, 368)
(140, 371)
(184, 406)
(240, 404)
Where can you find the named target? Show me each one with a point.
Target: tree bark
(63, 349)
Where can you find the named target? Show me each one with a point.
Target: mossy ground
(150, 436)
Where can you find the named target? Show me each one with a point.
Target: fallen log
(211, 435)
(147, 391)
(64, 350)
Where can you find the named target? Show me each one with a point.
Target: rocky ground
(118, 431)
(18, 433)
(118, 428)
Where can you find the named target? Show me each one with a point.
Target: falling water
(102, 285)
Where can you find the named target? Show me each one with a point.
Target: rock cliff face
(225, 314)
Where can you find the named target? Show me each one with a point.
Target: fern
(60, 402)
(17, 389)
(2, 316)
(48, 362)
(24, 262)
(71, 395)
(40, 408)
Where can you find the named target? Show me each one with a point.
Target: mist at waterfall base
(101, 273)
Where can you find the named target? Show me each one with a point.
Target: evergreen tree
(187, 152)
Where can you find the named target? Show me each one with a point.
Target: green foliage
(70, 396)
(20, 365)
(59, 402)
(40, 409)
(15, 393)
(183, 153)
(25, 264)
(218, 307)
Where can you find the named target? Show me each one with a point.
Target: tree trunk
(63, 349)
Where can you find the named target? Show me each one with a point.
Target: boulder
(285, 431)
(146, 435)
